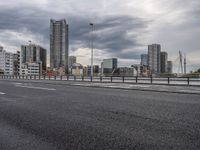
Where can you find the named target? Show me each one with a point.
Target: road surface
(39, 116)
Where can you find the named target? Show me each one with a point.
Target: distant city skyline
(121, 34)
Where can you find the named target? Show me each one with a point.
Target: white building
(77, 69)
(34, 69)
(31, 69)
(23, 69)
(6, 62)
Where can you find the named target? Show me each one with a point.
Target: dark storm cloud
(110, 35)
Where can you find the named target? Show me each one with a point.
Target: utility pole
(181, 62)
(185, 63)
(92, 28)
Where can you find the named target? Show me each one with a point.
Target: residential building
(34, 69)
(169, 67)
(23, 69)
(72, 60)
(144, 60)
(154, 58)
(59, 43)
(34, 54)
(29, 69)
(95, 70)
(6, 62)
(163, 62)
(125, 71)
(109, 66)
(77, 69)
(16, 63)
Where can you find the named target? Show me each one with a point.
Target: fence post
(168, 80)
(100, 78)
(54, 77)
(74, 78)
(82, 78)
(188, 80)
(91, 78)
(136, 79)
(123, 79)
(111, 79)
(151, 80)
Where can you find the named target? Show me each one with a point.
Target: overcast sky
(123, 28)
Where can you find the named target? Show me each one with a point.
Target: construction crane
(182, 64)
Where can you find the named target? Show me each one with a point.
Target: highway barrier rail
(113, 79)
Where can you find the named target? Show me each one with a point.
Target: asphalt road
(38, 116)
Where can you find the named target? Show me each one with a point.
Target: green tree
(198, 71)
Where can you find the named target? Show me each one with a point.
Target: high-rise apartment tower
(163, 59)
(154, 58)
(59, 43)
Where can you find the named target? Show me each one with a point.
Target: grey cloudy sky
(123, 28)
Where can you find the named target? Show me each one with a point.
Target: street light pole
(92, 28)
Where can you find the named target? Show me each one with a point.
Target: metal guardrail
(114, 79)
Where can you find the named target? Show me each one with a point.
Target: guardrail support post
(74, 78)
(168, 80)
(61, 78)
(123, 79)
(136, 79)
(91, 78)
(54, 77)
(188, 81)
(82, 78)
(151, 80)
(111, 78)
(100, 78)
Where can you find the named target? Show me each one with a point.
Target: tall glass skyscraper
(154, 58)
(163, 62)
(59, 43)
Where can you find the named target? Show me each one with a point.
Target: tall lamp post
(92, 28)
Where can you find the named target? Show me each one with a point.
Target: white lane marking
(34, 87)
(17, 83)
(1, 93)
(191, 91)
